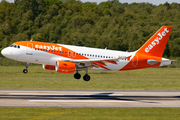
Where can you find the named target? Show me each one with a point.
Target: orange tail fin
(156, 44)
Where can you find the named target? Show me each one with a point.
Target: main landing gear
(77, 75)
(25, 70)
(86, 77)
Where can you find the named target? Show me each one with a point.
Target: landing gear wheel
(25, 71)
(77, 76)
(86, 77)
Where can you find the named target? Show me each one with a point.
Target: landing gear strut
(77, 75)
(25, 70)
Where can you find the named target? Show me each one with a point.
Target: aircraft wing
(97, 62)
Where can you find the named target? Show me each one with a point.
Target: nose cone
(5, 52)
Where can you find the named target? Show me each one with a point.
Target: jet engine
(49, 67)
(65, 67)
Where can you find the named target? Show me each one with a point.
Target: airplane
(69, 59)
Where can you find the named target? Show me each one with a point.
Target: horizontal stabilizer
(152, 62)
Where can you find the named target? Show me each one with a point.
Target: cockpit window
(15, 46)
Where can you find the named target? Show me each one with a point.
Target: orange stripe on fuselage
(139, 61)
(52, 48)
(104, 67)
(94, 66)
(112, 62)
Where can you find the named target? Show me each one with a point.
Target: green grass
(89, 113)
(37, 78)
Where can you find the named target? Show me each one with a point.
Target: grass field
(89, 113)
(37, 78)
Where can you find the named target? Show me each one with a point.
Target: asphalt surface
(88, 98)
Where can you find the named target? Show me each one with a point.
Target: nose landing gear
(25, 70)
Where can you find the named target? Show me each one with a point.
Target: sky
(155, 2)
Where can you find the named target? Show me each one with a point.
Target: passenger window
(18, 46)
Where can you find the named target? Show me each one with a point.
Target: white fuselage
(26, 54)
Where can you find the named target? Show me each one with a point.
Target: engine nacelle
(49, 67)
(65, 67)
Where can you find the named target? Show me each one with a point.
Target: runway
(88, 98)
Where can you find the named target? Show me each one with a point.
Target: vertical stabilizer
(156, 44)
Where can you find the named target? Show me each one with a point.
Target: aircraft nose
(4, 52)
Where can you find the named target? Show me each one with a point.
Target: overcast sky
(155, 2)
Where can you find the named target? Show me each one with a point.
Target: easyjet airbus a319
(69, 58)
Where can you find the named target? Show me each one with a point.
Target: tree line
(111, 24)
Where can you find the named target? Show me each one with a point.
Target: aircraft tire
(77, 75)
(25, 71)
(86, 77)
